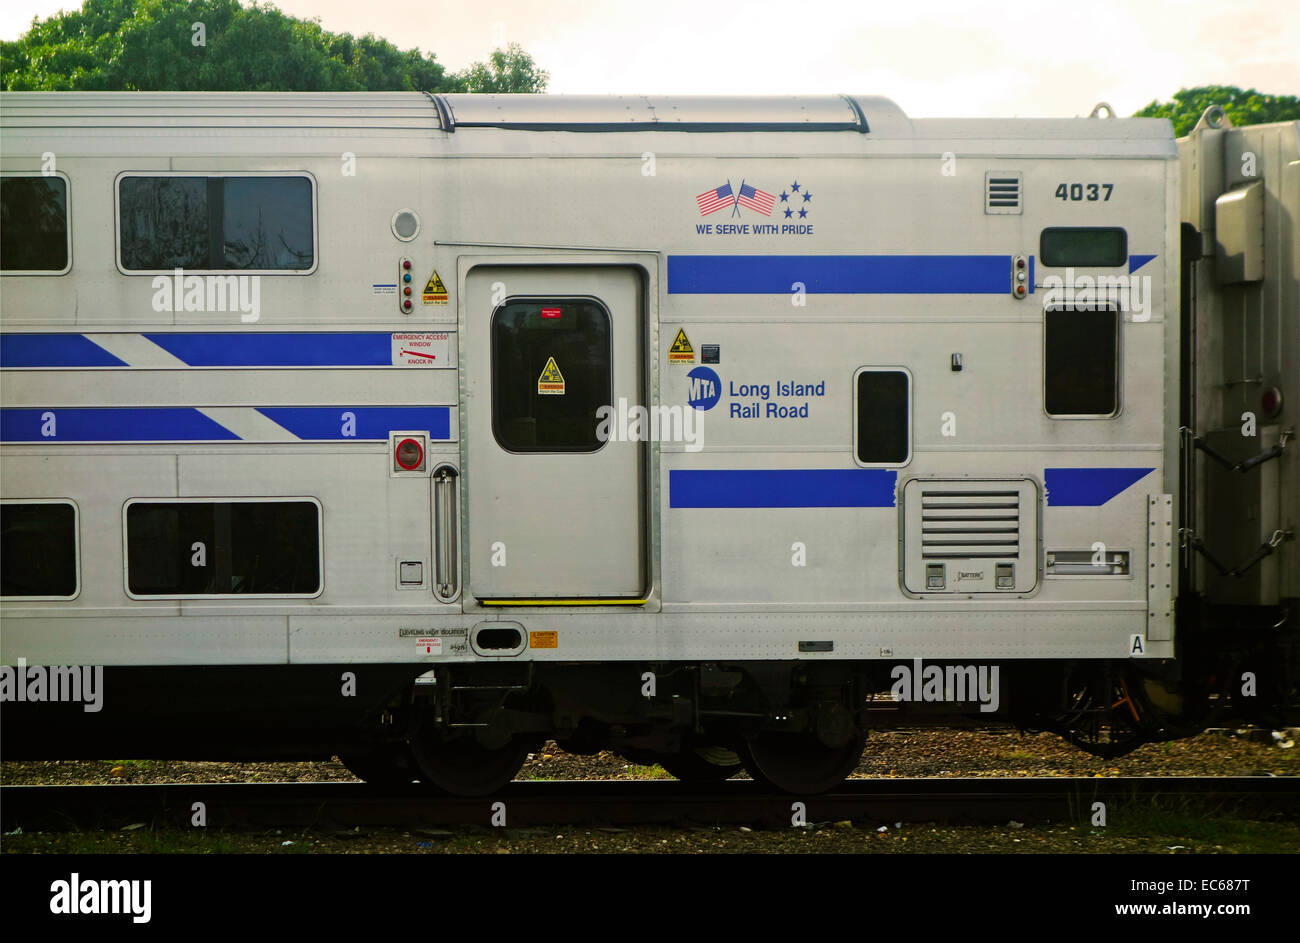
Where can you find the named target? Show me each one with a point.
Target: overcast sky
(963, 58)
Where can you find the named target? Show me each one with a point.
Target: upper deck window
(216, 223)
(35, 238)
(1083, 246)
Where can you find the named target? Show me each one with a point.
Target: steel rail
(620, 802)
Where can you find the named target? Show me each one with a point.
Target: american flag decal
(719, 198)
(758, 200)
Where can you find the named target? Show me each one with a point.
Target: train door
(555, 498)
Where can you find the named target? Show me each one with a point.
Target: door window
(550, 374)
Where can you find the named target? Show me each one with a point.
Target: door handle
(446, 577)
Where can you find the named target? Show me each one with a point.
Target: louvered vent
(1002, 193)
(970, 535)
(957, 525)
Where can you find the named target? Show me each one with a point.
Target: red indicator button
(550, 312)
(409, 454)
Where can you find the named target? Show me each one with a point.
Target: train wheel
(382, 766)
(701, 764)
(801, 763)
(464, 767)
(1108, 714)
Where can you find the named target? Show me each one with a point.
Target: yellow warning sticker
(681, 351)
(551, 382)
(544, 639)
(435, 292)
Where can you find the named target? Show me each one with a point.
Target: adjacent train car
(421, 428)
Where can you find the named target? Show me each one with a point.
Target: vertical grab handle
(446, 578)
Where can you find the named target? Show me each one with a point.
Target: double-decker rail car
(418, 429)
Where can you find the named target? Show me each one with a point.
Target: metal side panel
(1161, 585)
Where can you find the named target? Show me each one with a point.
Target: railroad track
(347, 805)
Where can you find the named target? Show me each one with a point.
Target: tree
(221, 45)
(1248, 107)
(508, 70)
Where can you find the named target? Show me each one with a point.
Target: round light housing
(406, 224)
(1270, 403)
(409, 454)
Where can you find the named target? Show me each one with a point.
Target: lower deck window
(38, 549)
(220, 548)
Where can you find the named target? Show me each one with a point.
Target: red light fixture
(409, 454)
(1270, 403)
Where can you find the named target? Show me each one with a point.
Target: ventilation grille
(965, 525)
(1001, 193)
(970, 535)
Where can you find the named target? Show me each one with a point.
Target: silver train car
(417, 429)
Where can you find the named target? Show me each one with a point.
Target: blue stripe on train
(1088, 487)
(782, 488)
(53, 350)
(110, 424)
(305, 349)
(864, 487)
(367, 422)
(187, 424)
(840, 274)
(279, 350)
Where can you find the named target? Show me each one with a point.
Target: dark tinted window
(884, 417)
(198, 548)
(38, 550)
(550, 374)
(215, 223)
(1083, 247)
(1081, 361)
(33, 224)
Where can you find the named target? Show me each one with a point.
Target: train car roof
(562, 123)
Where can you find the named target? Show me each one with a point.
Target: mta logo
(705, 388)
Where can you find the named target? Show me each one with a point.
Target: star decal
(795, 186)
(788, 212)
(784, 196)
(807, 196)
(803, 213)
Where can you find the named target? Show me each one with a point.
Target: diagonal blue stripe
(365, 423)
(305, 349)
(110, 424)
(53, 350)
(1088, 487)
